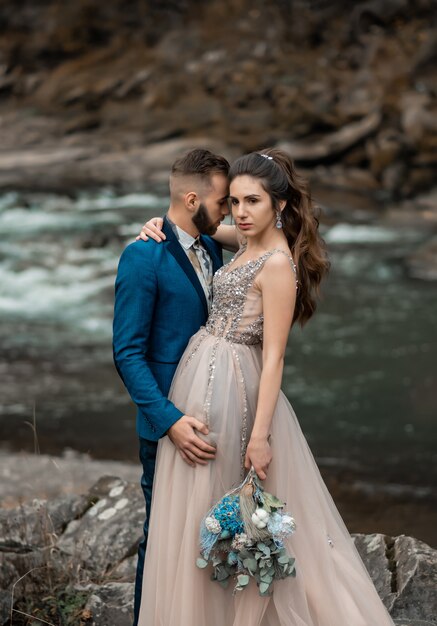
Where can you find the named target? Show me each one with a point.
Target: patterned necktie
(202, 263)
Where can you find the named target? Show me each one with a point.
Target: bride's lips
(244, 226)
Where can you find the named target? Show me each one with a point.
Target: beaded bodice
(236, 313)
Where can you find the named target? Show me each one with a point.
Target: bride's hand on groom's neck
(192, 448)
(152, 230)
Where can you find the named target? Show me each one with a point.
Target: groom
(162, 296)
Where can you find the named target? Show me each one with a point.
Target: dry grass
(53, 591)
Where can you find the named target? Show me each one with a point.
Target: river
(361, 376)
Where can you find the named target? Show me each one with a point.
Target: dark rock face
(109, 531)
(27, 527)
(415, 574)
(85, 87)
(373, 550)
(404, 571)
(111, 604)
(88, 543)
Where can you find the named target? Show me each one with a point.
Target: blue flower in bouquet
(281, 525)
(227, 513)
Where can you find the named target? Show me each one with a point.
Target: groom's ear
(191, 201)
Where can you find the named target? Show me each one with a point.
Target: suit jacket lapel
(175, 248)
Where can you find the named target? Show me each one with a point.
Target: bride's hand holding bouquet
(258, 455)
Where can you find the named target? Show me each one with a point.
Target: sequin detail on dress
(243, 431)
(231, 286)
(197, 346)
(207, 405)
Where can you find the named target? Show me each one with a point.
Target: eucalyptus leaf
(222, 574)
(224, 583)
(250, 564)
(272, 501)
(264, 587)
(243, 580)
(283, 559)
(201, 563)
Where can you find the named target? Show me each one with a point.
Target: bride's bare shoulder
(279, 270)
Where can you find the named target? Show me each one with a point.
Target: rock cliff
(108, 93)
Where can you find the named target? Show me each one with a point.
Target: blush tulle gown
(217, 382)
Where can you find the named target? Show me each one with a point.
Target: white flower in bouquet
(213, 525)
(288, 524)
(260, 518)
(239, 542)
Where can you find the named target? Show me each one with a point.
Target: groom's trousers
(148, 458)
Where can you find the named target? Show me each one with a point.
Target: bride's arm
(228, 236)
(278, 285)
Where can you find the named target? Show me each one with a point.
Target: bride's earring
(279, 223)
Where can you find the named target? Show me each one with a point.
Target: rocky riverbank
(108, 94)
(71, 560)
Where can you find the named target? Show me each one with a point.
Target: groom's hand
(191, 447)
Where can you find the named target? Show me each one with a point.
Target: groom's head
(199, 187)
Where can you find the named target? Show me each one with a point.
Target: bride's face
(251, 206)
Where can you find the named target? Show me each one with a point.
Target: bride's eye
(234, 201)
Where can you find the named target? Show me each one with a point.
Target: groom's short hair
(200, 162)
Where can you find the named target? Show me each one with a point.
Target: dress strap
(289, 257)
(239, 252)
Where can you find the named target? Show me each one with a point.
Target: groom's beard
(202, 221)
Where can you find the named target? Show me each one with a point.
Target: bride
(230, 377)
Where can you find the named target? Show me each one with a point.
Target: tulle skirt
(332, 586)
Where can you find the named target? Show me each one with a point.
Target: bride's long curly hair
(299, 218)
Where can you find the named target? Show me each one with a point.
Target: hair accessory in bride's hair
(266, 156)
(243, 536)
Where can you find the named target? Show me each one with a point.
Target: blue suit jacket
(159, 306)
